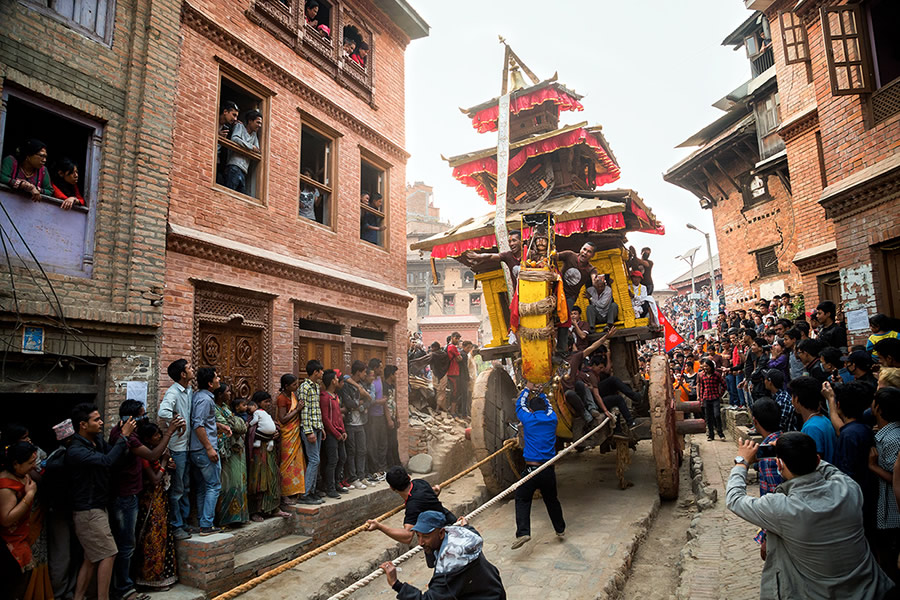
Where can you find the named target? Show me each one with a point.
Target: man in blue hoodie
(539, 426)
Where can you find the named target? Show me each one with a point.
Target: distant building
(455, 297)
(681, 285)
(814, 201)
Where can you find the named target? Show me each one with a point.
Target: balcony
(61, 241)
(763, 62)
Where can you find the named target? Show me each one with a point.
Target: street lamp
(712, 273)
(688, 257)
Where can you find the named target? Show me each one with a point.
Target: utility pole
(688, 257)
(714, 302)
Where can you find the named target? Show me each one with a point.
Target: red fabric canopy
(486, 120)
(564, 229)
(466, 172)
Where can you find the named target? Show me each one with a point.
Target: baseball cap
(860, 358)
(429, 521)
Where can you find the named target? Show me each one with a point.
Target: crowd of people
(828, 415)
(113, 508)
(452, 369)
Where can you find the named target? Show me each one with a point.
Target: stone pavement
(722, 560)
(604, 527)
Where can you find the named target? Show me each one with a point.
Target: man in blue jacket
(539, 426)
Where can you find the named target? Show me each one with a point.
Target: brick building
(838, 118)
(740, 172)
(841, 127)
(254, 286)
(86, 285)
(455, 302)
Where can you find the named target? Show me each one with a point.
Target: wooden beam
(727, 176)
(785, 181)
(709, 177)
(744, 158)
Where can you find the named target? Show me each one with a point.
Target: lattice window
(793, 38)
(886, 102)
(766, 262)
(847, 51)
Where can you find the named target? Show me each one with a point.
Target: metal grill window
(767, 262)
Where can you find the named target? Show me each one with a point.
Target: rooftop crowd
(112, 507)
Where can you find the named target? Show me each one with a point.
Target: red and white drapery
(485, 120)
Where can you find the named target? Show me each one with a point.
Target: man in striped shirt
(774, 380)
(311, 425)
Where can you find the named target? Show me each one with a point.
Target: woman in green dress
(232, 506)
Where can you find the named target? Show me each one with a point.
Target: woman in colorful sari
(39, 585)
(154, 562)
(263, 474)
(17, 494)
(232, 506)
(293, 466)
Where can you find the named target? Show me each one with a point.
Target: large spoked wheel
(493, 411)
(667, 449)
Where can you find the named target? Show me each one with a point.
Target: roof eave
(406, 17)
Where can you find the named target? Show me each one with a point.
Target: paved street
(600, 539)
(723, 561)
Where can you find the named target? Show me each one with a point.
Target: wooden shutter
(847, 51)
(793, 38)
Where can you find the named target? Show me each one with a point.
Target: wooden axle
(690, 426)
(691, 407)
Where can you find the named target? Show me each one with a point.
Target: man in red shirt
(335, 435)
(453, 371)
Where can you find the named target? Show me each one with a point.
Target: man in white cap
(61, 542)
(461, 571)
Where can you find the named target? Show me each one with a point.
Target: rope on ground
(249, 585)
(361, 583)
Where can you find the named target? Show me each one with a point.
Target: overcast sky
(648, 70)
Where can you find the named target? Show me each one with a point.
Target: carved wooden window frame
(330, 186)
(373, 162)
(849, 35)
(288, 24)
(793, 37)
(51, 9)
(251, 87)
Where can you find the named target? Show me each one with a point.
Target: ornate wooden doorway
(232, 333)
(236, 354)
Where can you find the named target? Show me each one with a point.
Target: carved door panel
(329, 353)
(891, 262)
(364, 352)
(236, 353)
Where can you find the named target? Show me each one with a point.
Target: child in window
(64, 179)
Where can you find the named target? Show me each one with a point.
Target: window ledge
(316, 224)
(237, 195)
(45, 199)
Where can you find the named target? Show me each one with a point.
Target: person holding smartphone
(767, 420)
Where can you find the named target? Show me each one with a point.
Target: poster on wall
(33, 340)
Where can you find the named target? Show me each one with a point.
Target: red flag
(672, 336)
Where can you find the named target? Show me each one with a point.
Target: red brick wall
(128, 88)
(273, 224)
(849, 143)
(739, 231)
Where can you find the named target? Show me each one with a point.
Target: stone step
(264, 556)
(253, 534)
(179, 592)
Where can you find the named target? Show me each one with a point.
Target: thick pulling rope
(404, 557)
(246, 587)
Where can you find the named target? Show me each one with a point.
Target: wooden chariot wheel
(668, 444)
(493, 411)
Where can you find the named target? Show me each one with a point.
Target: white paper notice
(136, 390)
(857, 320)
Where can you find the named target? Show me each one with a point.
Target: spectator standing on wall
(355, 420)
(312, 428)
(204, 453)
(177, 404)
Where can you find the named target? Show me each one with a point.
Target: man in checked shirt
(766, 419)
(710, 387)
(311, 426)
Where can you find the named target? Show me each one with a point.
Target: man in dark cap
(859, 364)
(461, 571)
